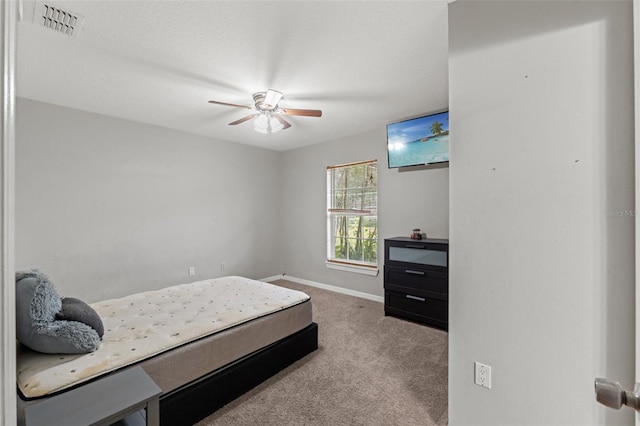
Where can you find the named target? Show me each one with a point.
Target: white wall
(108, 207)
(541, 178)
(407, 199)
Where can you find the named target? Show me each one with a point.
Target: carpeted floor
(368, 370)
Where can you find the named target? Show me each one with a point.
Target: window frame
(362, 267)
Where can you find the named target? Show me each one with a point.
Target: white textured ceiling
(363, 63)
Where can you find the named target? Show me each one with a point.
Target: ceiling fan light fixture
(266, 123)
(261, 124)
(275, 125)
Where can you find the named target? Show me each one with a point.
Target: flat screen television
(418, 141)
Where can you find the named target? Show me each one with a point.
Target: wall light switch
(192, 271)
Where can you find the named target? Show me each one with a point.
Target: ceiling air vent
(57, 19)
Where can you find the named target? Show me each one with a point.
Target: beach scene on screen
(422, 140)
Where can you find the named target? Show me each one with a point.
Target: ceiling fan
(267, 114)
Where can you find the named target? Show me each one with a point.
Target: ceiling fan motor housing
(267, 101)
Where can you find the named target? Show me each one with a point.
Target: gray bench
(119, 397)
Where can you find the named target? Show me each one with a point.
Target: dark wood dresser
(416, 280)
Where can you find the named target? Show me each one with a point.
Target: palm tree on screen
(436, 128)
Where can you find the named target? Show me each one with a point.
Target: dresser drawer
(422, 309)
(421, 282)
(424, 254)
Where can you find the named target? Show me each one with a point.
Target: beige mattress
(183, 365)
(176, 334)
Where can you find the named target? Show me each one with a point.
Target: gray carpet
(368, 370)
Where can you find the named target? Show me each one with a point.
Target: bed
(202, 343)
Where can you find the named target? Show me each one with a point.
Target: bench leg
(153, 412)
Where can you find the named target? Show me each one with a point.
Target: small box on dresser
(416, 280)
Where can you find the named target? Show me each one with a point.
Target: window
(352, 221)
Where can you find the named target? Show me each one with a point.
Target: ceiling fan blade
(243, 119)
(228, 104)
(284, 122)
(303, 112)
(272, 98)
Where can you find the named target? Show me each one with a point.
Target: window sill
(364, 270)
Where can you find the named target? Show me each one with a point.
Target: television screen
(418, 141)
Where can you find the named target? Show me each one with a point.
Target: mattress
(174, 369)
(177, 334)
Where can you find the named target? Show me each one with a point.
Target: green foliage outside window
(353, 211)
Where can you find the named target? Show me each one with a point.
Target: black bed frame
(195, 401)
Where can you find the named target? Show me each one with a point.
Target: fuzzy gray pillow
(76, 310)
(37, 303)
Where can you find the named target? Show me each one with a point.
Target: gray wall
(542, 198)
(108, 207)
(407, 199)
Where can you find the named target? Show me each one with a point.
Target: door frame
(636, 77)
(8, 30)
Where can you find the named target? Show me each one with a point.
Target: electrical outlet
(223, 266)
(483, 375)
(192, 271)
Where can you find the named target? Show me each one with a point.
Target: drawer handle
(409, 271)
(413, 246)
(421, 299)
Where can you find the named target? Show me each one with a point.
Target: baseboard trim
(333, 288)
(273, 278)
